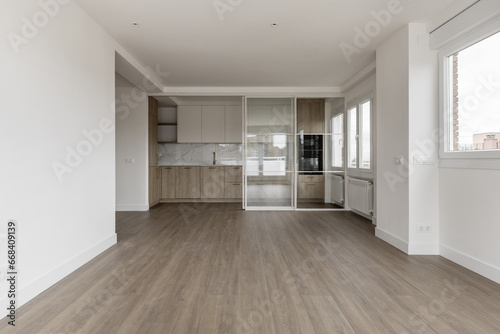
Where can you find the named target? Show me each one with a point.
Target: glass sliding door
(269, 153)
(320, 154)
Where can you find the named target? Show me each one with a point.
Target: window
(360, 135)
(352, 157)
(338, 141)
(472, 111)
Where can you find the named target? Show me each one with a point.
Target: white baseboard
(132, 207)
(423, 249)
(392, 240)
(471, 263)
(31, 289)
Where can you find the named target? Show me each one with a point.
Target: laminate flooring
(213, 268)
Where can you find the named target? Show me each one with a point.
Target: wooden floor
(212, 268)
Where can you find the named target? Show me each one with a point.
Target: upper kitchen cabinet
(233, 120)
(311, 116)
(213, 124)
(189, 124)
(209, 124)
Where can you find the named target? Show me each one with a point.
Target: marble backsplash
(199, 154)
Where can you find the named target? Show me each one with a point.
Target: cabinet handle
(187, 167)
(211, 167)
(236, 184)
(167, 168)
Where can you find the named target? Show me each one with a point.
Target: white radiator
(337, 189)
(360, 197)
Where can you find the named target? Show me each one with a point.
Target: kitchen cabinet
(168, 177)
(154, 182)
(209, 124)
(233, 187)
(187, 182)
(212, 124)
(311, 187)
(189, 124)
(311, 116)
(233, 124)
(212, 182)
(153, 131)
(154, 186)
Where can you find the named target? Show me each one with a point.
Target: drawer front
(311, 178)
(232, 174)
(233, 190)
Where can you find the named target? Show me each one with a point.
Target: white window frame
(461, 159)
(344, 152)
(356, 103)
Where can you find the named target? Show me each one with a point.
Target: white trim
(471, 263)
(493, 164)
(248, 91)
(466, 40)
(481, 13)
(270, 208)
(31, 289)
(422, 248)
(360, 76)
(132, 207)
(392, 240)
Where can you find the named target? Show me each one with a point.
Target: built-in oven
(310, 157)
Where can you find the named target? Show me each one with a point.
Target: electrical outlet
(424, 229)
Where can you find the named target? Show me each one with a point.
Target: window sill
(470, 163)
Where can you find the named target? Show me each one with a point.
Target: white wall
(59, 84)
(131, 143)
(407, 119)
(468, 198)
(423, 142)
(392, 191)
(469, 219)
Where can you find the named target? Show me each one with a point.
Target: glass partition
(270, 153)
(320, 154)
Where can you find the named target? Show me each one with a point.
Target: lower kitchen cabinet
(168, 176)
(311, 187)
(187, 182)
(212, 182)
(154, 186)
(232, 182)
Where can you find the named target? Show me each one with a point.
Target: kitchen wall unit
(189, 124)
(209, 124)
(311, 116)
(213, 124)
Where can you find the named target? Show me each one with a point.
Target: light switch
(399, 160)
(129, 160)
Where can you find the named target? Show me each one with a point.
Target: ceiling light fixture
(274, 24)
(135, 24)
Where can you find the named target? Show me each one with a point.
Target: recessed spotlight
(135, 24)
(274, 24)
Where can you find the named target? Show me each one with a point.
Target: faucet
(215, 161)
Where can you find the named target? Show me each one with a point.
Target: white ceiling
(187, 38)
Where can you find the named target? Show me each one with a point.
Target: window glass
(353, 137)
(338, 141)
(365, 135)
(474, 97)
